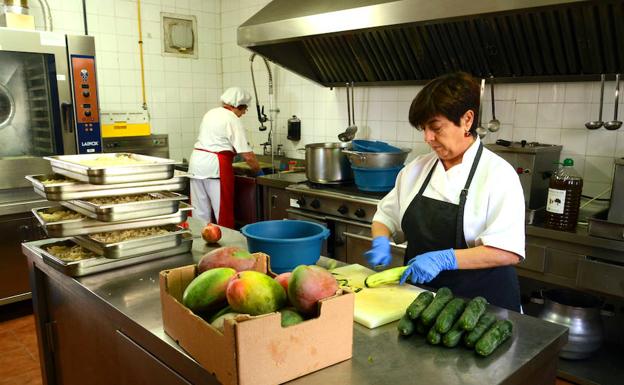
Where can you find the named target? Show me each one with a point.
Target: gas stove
(344, 201)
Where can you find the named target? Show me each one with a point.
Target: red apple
(211, 233)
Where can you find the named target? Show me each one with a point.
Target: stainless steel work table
(127, 301)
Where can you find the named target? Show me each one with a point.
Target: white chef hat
(236, 96)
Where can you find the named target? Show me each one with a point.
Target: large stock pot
(326, 164)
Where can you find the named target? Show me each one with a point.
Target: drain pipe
(84, 16)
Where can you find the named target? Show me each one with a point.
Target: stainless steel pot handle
(360, 155)
(369, 239)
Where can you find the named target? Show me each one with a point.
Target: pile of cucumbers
(447, 320)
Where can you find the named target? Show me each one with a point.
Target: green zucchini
(453, 336)
(475, 308)
(442, 297)
(449, 315)
(387, 277)
(433, 337)
(420, 303)
(421, 328)
(494, 337)
(483, 325)
(406, 326)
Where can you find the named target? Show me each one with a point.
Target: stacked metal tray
(120, 207)
(86, 225)
(96, 264)
(161, 203)
(57, 187)
(112, 167)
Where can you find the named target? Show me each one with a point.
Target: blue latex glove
(379, 254)
(260, 173)
(425, 267)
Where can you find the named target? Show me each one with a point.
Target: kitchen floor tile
(19, 355)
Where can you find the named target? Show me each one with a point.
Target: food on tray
(117, 160)
(55, 179)
(122, 199)
(69, 253)
(51, 215)
(125, 235)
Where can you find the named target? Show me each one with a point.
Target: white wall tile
(549, 115)
(527, 93)
(525, 115)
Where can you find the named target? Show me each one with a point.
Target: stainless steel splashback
(411, 41)
(616, 207)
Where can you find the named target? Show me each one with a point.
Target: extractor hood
(411, 41)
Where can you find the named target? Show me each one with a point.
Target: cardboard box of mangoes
(257, 349)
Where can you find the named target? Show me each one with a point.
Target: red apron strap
(226, 186)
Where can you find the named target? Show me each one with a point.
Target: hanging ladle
(615, 124)
(494, 124)
(596, 124)
(482, 131)
(349, 133)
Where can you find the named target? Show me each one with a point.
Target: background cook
(221, 137)
(460, 206)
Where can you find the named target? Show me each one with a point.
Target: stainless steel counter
(379, 355)
(20, 200)
(282, 180)
(580, 237)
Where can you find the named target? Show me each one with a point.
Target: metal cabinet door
(358, 241)
(277, 202)
(245, 200)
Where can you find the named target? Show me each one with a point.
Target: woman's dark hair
(449, 95)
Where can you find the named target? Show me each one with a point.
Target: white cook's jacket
(220, 130)
(494, 211)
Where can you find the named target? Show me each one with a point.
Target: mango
(206, 292)
(283, 279)
(229, 256)
(254, 293)
(309, 284)
(290, 317)
(218, 322)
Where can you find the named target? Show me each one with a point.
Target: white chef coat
(220, 130)
(494, 211)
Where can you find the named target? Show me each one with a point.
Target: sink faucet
(280, 150)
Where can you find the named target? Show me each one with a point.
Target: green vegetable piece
(483, 325)
(443, 296)
(494, 337)
(406, 326)
(433, 337)
(421, 328)
(453, 336)
(449, 315)
(475, 308)
(420, 303)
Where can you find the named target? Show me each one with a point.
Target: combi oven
(48, 101)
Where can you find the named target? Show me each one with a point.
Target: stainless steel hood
(411, 41)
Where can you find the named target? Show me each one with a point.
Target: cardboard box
(257, 350)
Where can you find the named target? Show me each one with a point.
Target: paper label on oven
(556, 201)
(50, 38)
(294, 203)
(60, 78)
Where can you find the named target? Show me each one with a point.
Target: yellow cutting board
(376, 306)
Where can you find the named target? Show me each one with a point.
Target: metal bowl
(377, 159)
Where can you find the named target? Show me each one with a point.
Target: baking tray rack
(134, 247)
(99, 264)
(138, 167)
(166, 203)
(72, 189)
(86, 225)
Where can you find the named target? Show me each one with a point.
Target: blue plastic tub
(375, 179)
(373, 146)
(289, 243)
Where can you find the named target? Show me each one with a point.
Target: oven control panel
(87, 112)
(334, 206)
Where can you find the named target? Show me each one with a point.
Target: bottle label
(556, 201)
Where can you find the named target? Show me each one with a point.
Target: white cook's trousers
(206, 198)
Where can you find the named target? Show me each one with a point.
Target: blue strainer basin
(373, 146)
(375, 179)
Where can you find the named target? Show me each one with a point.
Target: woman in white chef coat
(461, 207)
(221, 137)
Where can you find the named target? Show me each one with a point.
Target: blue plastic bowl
(289, 243)
(375, 179)
(373, 146)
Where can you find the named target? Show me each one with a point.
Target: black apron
(430, 224)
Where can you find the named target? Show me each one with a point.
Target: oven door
(328, 245)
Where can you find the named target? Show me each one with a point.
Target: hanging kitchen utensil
(349, 133)
(482, 131)
(615, 123)
(596, 124)
(494, 124)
